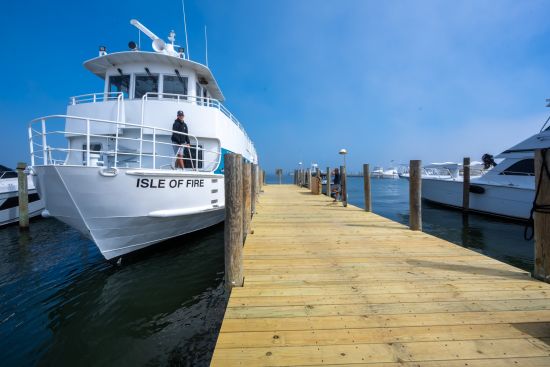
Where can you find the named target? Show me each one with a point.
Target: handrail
(95, 97)
(206, 101)
(47, 150)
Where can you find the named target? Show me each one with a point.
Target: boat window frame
(156, 93)
(187, 77)
(508, 172)
(114, 75)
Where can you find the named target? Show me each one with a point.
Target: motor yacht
(9, 197)
(505, 189)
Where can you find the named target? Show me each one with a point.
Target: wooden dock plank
(326, 285)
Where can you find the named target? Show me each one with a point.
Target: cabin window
(119, 84)
(175, 85)
(524, 167)
(146, 84)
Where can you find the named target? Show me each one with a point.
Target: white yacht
(9, 198)
(107, 166)
(507, 189)
(380, 172)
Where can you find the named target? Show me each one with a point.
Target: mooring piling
(247, 198)
(343, 186)
(233, 231)
(415, 192)
(542, 215)
(366, 187)
(466, 185)
(328, 182)
(23, 191)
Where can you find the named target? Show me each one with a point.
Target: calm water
(61, 304)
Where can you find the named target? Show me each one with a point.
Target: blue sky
(388, 80)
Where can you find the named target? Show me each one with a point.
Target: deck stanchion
(415, 199)
(466, 185)
(343, 186)
(366, 186)
(233, 231)
(254, 188)
(23, 196)
(328, 182)
(542, 217)
(247, 198)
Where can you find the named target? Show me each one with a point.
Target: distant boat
(380, 172)
(9, 197)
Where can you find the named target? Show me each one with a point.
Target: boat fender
(477, 189)
(108, 172)
(45, 213)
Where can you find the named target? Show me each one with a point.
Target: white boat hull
(506, 201)
(134, 208)
(9, 201)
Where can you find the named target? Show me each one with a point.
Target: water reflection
(63, 304)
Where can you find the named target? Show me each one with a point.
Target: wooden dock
(327, 285)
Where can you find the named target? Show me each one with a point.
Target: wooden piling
(328, 181)
(415, 199)
(366, 187)
(247, 198)
(542, 217)
(343, 186)
(233, 231)
(254, 188)
(466, 185)
(23, 196)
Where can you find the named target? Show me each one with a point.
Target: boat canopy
(101, 64)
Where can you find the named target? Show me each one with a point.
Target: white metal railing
(100, 97)
(40, 148)
(203, 101)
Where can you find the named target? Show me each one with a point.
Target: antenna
(185, 29)
(206, 45)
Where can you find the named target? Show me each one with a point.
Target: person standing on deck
(181, 142)
(336, 184)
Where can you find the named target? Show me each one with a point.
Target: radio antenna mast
(206, 45)
(185, 28)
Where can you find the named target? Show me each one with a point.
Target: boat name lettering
(161, 183)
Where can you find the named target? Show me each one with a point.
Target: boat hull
(129, 209)
(505, 201)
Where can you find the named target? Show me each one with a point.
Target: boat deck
(327, 285)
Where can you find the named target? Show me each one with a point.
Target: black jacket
(182, 128)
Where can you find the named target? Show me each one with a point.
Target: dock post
(415, 198)
(233, 231)
(309, 178)
(366, 186)
(23, 196)
(328, 182)
(343, 186)
(247, 198)
(466, 185)
(542, 217)
(254, 188)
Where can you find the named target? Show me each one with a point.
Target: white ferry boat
(107, 166)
